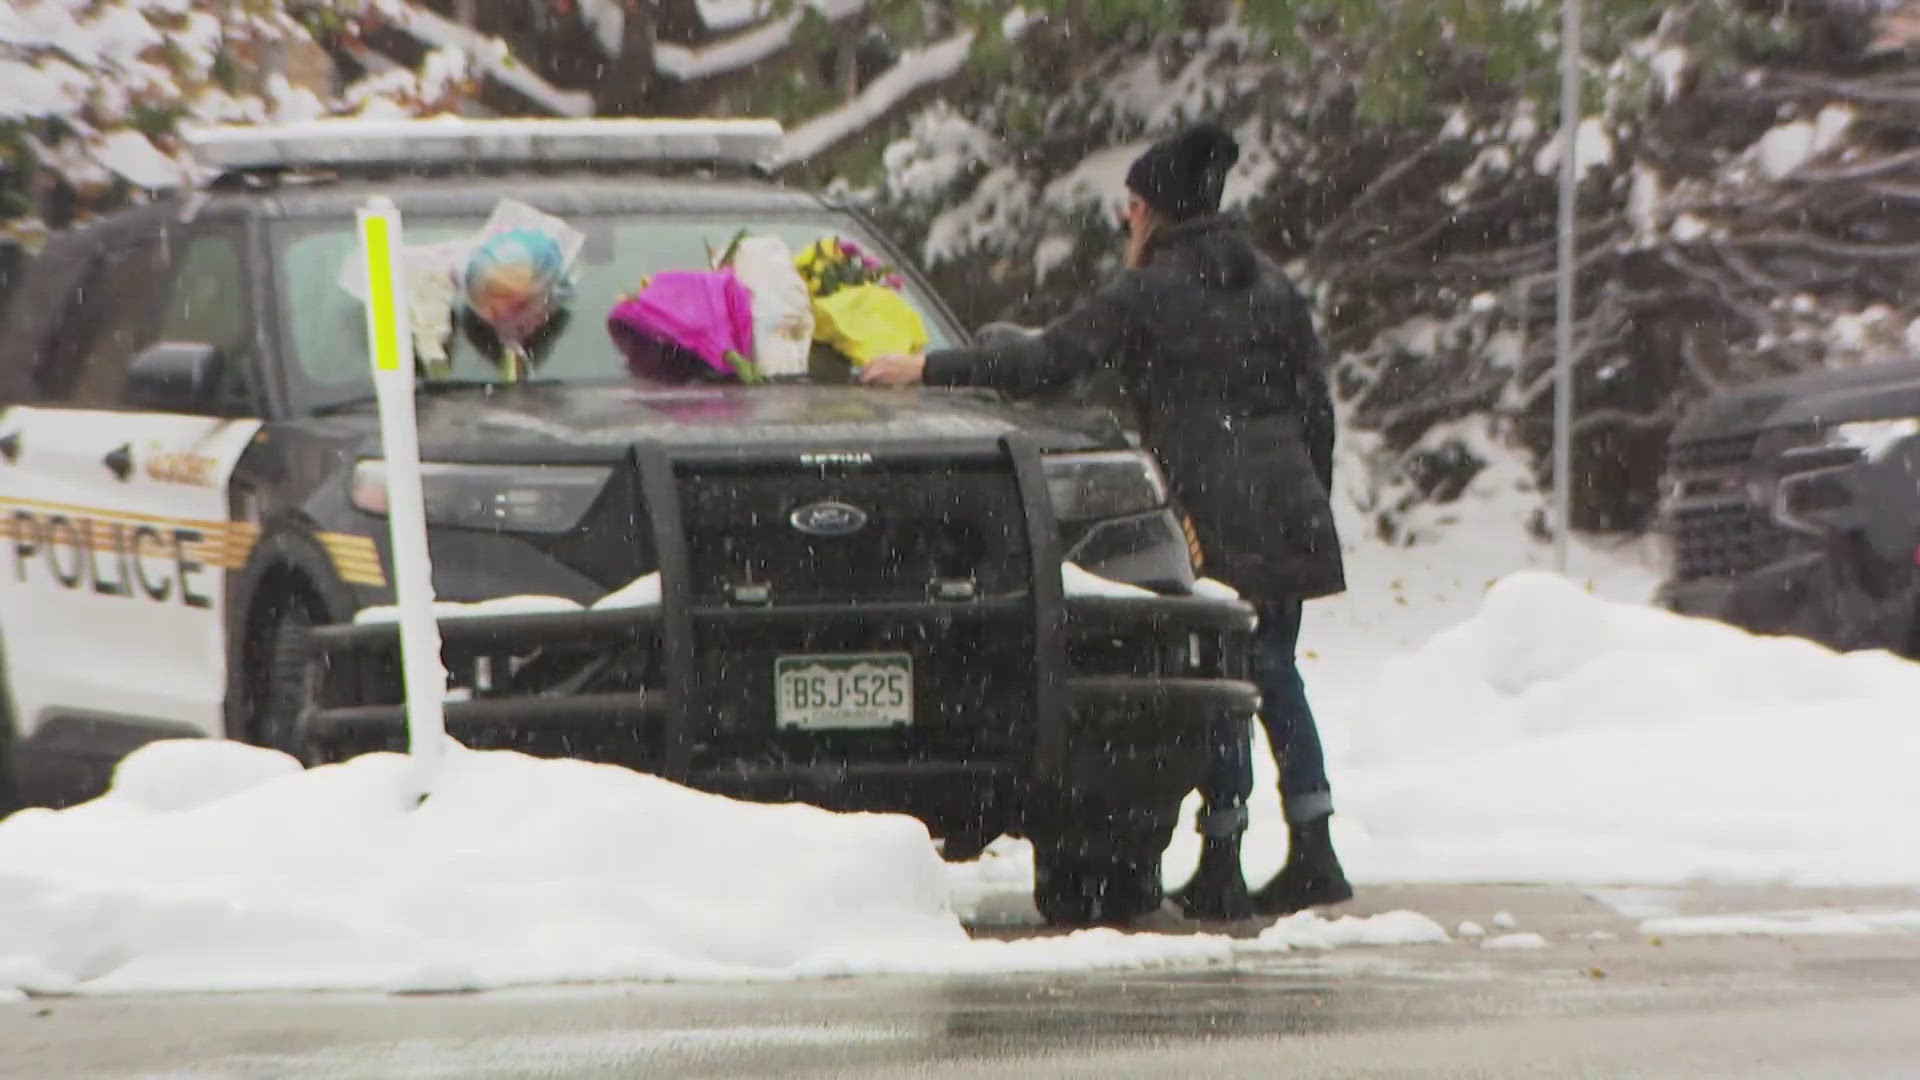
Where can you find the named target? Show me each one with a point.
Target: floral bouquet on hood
(705, 315)
(831, 264)
(857, 306)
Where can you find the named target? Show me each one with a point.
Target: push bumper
(1806, 596)
(1766, 600)
(1038, 697)
(1130, 713)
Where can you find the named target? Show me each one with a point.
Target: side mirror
(176, 377)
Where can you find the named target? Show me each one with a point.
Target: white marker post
(390, 344)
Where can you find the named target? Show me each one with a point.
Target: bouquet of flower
(857, 306)
(678, 313)
(831, 264)
(782, 304)
(515, 282)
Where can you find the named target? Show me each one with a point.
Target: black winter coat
(1217, 350)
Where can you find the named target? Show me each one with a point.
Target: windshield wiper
(435, 386)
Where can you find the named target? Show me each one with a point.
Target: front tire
(288, 676)
(1100, 868)
(9, 785)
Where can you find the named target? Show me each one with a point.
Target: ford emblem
(829, 519)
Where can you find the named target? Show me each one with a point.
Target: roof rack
(454, 141)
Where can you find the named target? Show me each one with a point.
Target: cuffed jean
(1305, 794)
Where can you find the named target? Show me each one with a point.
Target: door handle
(10, 446)
(120, 461)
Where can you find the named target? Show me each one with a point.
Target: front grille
(1716, 517)
(1724, 540)
(1730, 453)
(924, 524)
(1717, 531)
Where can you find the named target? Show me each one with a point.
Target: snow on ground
(1526, 940)
(1784, 924)
(219, 867)
(1307, 930)
(1561, 737)
(216, 866)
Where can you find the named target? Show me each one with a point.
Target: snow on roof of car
(444, 141)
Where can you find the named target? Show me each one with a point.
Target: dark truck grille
(924, 524)
(1727, 454)
(764, 589)
(1724, 541)
(1716, 530)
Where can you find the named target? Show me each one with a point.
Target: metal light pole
(1563, 316)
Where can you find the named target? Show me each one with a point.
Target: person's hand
(893, 371)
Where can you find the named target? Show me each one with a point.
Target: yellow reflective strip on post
(377, 242)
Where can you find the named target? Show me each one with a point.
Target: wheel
(288, 676)
(1100, 868)
(9, 793)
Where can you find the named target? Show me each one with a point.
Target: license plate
(843, 691)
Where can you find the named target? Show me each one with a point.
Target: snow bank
(215, 866)
(1559, 737)
(516, 870)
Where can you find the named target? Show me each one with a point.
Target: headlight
(1803, 501)
(510, 498)
(1108, 484)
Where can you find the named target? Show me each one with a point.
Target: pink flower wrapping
(706, 312)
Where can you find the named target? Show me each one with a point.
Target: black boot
(1311, 877)
(1218, 890)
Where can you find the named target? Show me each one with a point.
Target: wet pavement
(1603, 998)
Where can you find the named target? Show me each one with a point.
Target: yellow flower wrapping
(866, 321)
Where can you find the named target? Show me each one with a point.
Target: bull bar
(1200, 672)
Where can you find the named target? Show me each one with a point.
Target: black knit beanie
(1184, 176)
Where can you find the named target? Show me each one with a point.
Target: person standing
(1217, 350)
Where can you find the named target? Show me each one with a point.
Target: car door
(117, 527)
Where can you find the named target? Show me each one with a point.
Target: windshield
(324, 325)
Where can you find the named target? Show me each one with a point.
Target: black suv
(1792, 507)
(796, 590)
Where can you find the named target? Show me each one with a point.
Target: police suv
(801, 589)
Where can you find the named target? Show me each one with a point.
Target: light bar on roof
(456, 140)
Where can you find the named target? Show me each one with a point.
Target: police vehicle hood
(583, 421)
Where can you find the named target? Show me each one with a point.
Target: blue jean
(1305, 794)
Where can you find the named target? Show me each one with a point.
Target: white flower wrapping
(782, 307)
